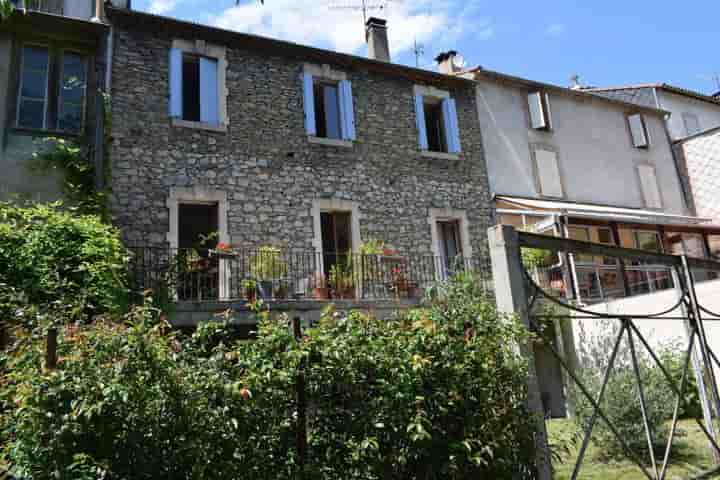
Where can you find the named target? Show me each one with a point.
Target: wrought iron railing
(194, 275)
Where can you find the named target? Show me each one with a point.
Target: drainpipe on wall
(100, 111)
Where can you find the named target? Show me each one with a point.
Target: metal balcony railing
(195, 275)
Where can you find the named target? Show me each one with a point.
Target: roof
(662, 86)
(134, 19)
(582, 93)
(34, 22)
(605, 212)
(709, 131)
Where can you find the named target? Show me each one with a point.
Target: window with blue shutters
(196, 82)
(328, 108)
(437, 123)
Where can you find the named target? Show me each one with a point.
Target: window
(548, 173)
(435, 128)
(649, 186)
(328, 108)
(194, 87)
(450, 245)
(52, 89)
(692, 123)
(638, 131)
(648, 241)
(582, 234)
(539, 106)
(336, 232)
(437, 123)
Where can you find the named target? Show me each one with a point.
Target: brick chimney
(446, 63)
(377, 39)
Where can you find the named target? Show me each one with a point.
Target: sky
(606, 43)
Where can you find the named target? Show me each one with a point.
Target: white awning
(603, 212)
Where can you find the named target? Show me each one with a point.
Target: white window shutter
(209, 105)
(649, 184)
(548, 173)
(176, 86)
(637, 130)
(452, 132)
(537, 113)
(347, 110)
(420, 122)
(309, 104)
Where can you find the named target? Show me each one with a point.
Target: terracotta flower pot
(321, 293)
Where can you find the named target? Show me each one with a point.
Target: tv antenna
(419, 51)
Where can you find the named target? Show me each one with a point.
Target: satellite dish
(459, 62)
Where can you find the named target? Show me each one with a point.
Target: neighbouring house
(700, 155)
(570, 163)
(291, 160)
(51, 68)
(690, 112)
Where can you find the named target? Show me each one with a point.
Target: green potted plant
(250, 287)
(342, 279)
(267, 265)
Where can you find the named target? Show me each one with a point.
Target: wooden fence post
(301, 427)
(511, 297)
(51, 349)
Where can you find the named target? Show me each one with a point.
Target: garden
(437, 392)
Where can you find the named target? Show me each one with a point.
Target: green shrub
(432, 394)
(56, 257)
(621, 401)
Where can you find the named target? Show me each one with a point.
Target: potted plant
(399, 281)
(267, 265)
(250, 287)
(320, 286)
(342, 280)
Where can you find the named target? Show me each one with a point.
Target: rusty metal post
(301, 427)
(51, 349)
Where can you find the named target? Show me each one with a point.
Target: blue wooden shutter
(209, 105)
(420, 121)
(346, 108)
(452, 132)
(309, 104)
(175, 75)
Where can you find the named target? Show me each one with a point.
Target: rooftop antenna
(716, 77)
(419, 51)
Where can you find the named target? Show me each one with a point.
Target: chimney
(377, 39)
(575, 83)
(447, 64)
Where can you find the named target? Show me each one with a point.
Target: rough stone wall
(267, 166)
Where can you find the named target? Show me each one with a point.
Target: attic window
(539, 106)
(638, 131)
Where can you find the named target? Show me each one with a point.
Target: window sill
(330, 142)
(177, 122)
(440, 155)
(39, 132)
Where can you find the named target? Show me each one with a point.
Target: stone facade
(269, 170)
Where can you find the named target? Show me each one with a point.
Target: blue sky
(607, 43)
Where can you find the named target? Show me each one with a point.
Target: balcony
(284, 276)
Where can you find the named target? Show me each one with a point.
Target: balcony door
(198, 271)
(336, 238)
(450, 243)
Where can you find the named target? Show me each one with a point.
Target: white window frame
(46, 100)
(61, 70)
(448, 215)
(544, 104)
(644, 130)
(201, 48)
(536, 169)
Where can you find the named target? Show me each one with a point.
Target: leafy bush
(432, 394)
(51, 256)
(621, 401)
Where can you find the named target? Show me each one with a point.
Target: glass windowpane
(31, 113)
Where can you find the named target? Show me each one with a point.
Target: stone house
(273, 143)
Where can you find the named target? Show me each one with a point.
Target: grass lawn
(691, 456)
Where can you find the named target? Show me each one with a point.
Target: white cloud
(160, 7)
(338, 25)
(555, 30)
